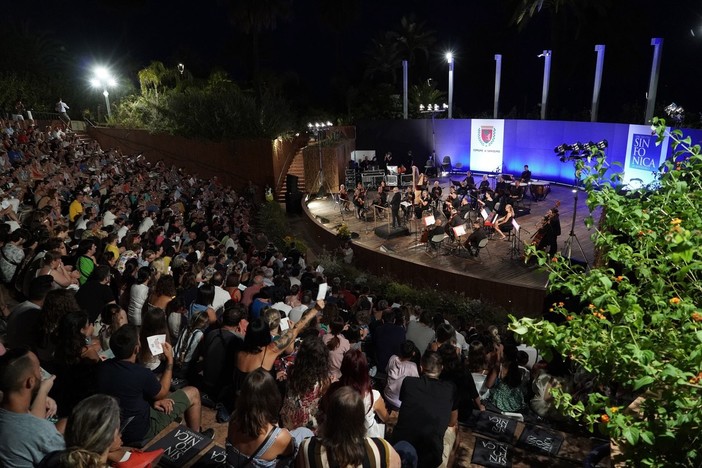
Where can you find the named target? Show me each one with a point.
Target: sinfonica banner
(487, 138)
(643, 157)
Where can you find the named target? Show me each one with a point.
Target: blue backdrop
(525, 142)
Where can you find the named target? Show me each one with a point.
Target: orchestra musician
(409, 201)
(474, 239)
(451, 202)
(436, 191)
(504, 220)
(422, 203)
(382, 200)
(516, 192)
(500, 186)
(469, 180)
(464, 208)
(454, 221)
(344, 198)
(549, 232)
(526, 174)
(359, 201)
(484, 184)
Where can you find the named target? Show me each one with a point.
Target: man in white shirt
(221, 296)
(147, 223)
(62, 108)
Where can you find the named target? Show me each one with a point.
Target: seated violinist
(344, 198)
(474, 239)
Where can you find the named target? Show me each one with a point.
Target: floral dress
(301, 410)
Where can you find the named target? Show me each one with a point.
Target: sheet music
(429, 220)
(516, 225)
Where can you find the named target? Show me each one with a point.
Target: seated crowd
(143, 293)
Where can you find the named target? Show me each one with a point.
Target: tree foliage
(634, 321)
(215, 110)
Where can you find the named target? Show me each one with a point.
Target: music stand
(514, 248)
(428, 221)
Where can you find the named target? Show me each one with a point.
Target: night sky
(321, 63)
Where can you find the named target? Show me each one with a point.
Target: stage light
(577, 147)
(102, 78)
(602, 144)
(421, 108)
(449, 57)
(329, 124)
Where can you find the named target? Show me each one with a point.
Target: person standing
(429, 411)
(62, 108)
(395, 207)
(552, 231)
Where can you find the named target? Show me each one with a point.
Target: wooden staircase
(297, 168)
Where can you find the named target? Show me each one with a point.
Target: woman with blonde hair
(93, 435)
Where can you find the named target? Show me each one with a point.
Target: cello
(543, 226)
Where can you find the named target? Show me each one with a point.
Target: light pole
(316, 129)
(546, 54)
(449, 59)
(433, 109)
(103, 79)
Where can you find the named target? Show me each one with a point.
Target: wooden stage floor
(496, 264)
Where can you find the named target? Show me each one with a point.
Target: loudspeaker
(291, 181)
(293, 202)
(389, 232)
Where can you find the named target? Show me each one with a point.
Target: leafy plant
(634, 320)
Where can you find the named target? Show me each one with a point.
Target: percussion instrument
(539, 190)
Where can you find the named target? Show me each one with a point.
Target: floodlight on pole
(102, 78)
(449, 59)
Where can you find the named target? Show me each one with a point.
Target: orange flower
(676, 221)
(554, 260)
(619, 279)
(570, 317)
(674, 300)
(697, 317)
(641, 233)
(591, 306)
(561, 304)
(604, 418)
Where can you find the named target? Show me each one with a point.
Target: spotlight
(675, 112)
(602, 144)
(562, 148)
(421, 108)
(577, 147)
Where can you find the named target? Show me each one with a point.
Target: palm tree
(253, 17)
(413, 37)
(152, 78)
(424, 93)
(580, 10)
(384, 58)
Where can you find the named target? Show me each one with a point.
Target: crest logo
(486, 135)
